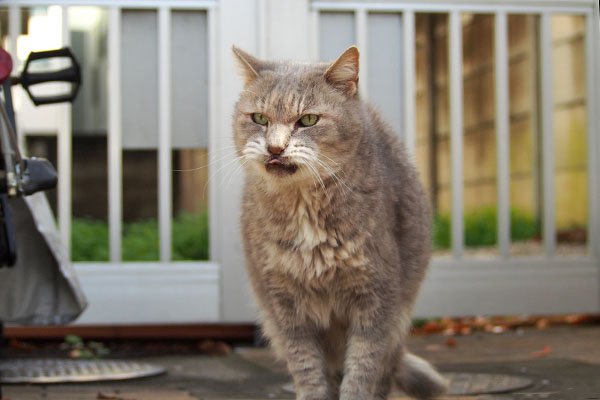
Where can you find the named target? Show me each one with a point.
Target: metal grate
(470, 384)
(464, 384)
(62, 371)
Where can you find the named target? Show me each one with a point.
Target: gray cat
(336, 230)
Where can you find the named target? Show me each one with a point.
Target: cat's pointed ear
(249, 66)
(343, 72)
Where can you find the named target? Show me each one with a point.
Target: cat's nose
(278, 137)
(274, 149)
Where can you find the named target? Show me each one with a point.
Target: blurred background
(497, 104)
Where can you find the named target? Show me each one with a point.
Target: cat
(336, 230)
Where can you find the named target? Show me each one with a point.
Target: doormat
(64, 371)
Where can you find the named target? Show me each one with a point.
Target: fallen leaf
(19, 345)
(214, 347)
(431, 327)
(449, 332)
(542, 353)
(542, 323)
(451, 342)
(465, 330)
(103, 396)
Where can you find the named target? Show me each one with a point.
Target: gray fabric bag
(42, 288)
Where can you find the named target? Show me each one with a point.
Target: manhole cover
(60, 371)
(464, 384)
(469, 384)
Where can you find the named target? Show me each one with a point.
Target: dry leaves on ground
(102, 396)
(214, 347)
(467, 325)
(542, 353)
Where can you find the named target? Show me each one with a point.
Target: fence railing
(457, 286)
(164, 10)
(544, 10)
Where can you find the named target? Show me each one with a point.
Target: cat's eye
(308, 120)
(259, 119)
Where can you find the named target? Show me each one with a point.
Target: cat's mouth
(280, 166)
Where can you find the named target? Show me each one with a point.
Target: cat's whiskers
(255, 148)
(308, 159)
(316, 174)
(311, 171)
(214, 174)
(314, 159)
(337, 170)
(244, 159)
(210, 163)
(339, 182)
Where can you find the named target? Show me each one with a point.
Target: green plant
(481, 228)
(441, 232)
(89, 239)
(522, 226)
(77, 348)
(190, 237)
(140, 241)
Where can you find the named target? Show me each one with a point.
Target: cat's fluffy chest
(314, 243)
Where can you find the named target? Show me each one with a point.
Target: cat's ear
(249, 66)
(343, 72)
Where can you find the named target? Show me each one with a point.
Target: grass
(89, 239)
(481, 228)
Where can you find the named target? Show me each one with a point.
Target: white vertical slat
(360, 16)
(502, 133)
(409, 134)
(213, 134)
(456, 132)
(14, 27)
(261, 29)
(314, 35)
(115, 148)
(592, 58)
(165, 167)
(547, 125)
(64, 154)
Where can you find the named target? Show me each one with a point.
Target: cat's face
(296, 122)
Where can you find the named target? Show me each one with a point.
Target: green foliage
(522, 226)
(441, 232)
(78, 348)
(89, 239)
(481, 228)
(190, 237)
(140, 241)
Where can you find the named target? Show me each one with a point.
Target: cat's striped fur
(336, 230)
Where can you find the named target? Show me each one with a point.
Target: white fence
(503, 284)
(217, 290)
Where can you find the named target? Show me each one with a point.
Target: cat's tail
(418, 379)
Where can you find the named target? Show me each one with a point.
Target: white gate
(217, 290)
(120, 292)
(501, 284)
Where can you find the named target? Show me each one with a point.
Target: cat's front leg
(366, 356)
(295, 339)
(299, 346)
